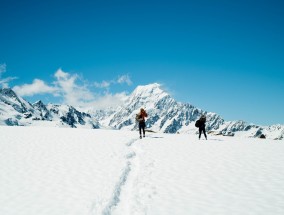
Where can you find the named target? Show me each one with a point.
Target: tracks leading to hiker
(133, 189)
(115, 199)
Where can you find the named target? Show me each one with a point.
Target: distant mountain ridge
(165, 115)
(14, 110)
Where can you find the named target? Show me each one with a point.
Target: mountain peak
(148, 87)
(148, 90)
(8, 92)
(38, 104)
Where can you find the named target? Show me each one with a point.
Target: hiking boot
(140, 137)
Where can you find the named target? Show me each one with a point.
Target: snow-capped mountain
(169, 116)
(14, 110)
(164, 115)
(242, 128)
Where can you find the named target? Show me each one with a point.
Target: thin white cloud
(120, 80)
(59, 74)
(5, 82)
(72, 93)
(108, 100)
(65, 86)
(103, 84)
(2, 69)
(37, 87)
(124, 79)
(74, 90)
(80, 95)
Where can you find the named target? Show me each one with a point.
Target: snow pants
(142, 126)
(202, 129)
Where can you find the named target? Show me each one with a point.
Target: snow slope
(102, 172)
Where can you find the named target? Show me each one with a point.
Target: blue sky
(222, 56)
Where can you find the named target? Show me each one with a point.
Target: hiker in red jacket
(140, 117)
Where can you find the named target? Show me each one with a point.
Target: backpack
(197, 123)
(138, 118)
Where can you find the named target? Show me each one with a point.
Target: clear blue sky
(222, 56)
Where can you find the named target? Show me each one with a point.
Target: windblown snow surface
(64, 171)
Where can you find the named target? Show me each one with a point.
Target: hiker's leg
(140, 127)
(205, 133)
(200, 130)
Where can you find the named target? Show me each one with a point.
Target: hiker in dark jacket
(140, 117)
(202, 126)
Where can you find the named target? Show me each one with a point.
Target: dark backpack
(197, 123)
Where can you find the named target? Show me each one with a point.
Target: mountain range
(16, 111)
(164, 115)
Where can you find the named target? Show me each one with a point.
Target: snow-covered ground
(64, 171)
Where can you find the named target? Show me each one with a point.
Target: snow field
(58, 171)
(105, 172)
(218, 176)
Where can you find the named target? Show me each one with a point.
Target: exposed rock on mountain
(14, 110)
